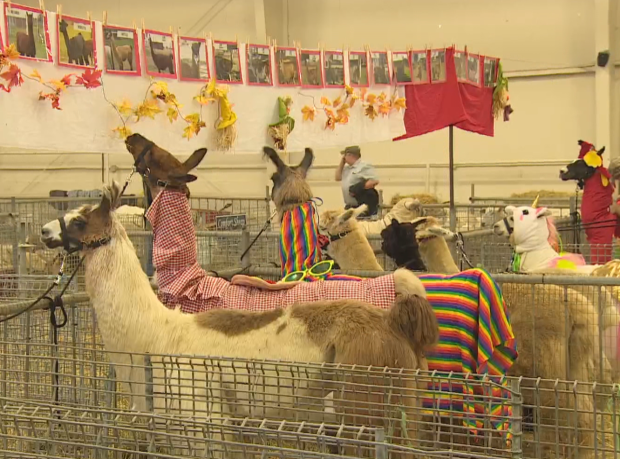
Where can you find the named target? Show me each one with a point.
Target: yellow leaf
(353, 99)
(381, 97)
(10, 52)
(400, 103)
(159, 87)
(122, 131)
(337, 101)
(148, 109)
(308, 113)
(36, 75)
(385, 108)
(193, 118)
(125, 107)
(172, 114)
(371, 98)
(59, 85)
(325, 101)
(202, 99)
(343, 119)
(343, 112)
(370, 112)
(349, 90)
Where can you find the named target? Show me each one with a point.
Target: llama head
(585, 167)
(407, 209)
(531, 226)
(85, 226)
(335, 222)
(62, 26)
(158, 167)
(399, 236)
(290, 187)
(428, 228)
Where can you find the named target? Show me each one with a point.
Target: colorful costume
(475, 331)
(598, 221)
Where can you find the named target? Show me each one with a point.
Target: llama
(598, 190)
(404, 210)
(347, 244)
(75, 45)
(192, 70)
(108, 57)
(25, 41)
(121, 53)
(561, 326)
(399, 242)
(88, 53)
(131, 319)
(162, 58)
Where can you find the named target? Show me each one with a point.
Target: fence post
(15, 234)
(267, 201)
(517, 411)
(148, 383)
(245, 243)
(380, 446)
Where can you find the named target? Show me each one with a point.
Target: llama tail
(411, 314)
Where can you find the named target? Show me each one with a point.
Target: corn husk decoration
(501, 97)
(225, 125)
(280, 130)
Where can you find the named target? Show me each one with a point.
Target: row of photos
(294, 67)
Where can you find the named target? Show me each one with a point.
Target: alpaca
(25, 41)
(347, 244)
(131, 319)
(162, 58)
(562, 327)
(404, 210)
(399, 242)
(192, 70)
(75, 45)
(431, 238)
(88, 52)
(108, 57)
(122, 53)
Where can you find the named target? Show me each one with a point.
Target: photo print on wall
(334, 69)
(287, 62)
(380, 67)
(473, 69)
(490, 71)
(258, 62)
(401, 65)
(227, 62)
(438, 66)
(193, 59)
(311, 69)
(159, 54)
(419, 65)
(74, 42)
(121, 51)
(26, 28)
(460, 65)
(358, 69)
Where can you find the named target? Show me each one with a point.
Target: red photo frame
(165, 63)
(436, 74)
(490, 72)
(258, 65)
(332, 60)
(220, 59)
(109, 65)
(86, 55)
(474, 72)
(287, 74)
(381, 68)
(193, 71)
(460, 65)
(357, 77)
(420, 68)
(314, 69)
(399, 71)
(37, 46)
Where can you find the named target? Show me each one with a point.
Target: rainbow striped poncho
(475, 337)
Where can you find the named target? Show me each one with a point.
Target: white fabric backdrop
(86, 121)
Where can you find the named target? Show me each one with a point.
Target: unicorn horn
(535, 203)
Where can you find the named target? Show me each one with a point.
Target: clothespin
(143, 26)
(41, 5)
(268, 40)
(104, 20)
(275, 43)
(88, 16)
(170, 31)
(237, 40)
(59, 12)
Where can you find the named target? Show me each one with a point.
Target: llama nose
(45, 232)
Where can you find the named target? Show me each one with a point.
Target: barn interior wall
(546, 46)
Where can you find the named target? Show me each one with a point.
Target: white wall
(551, 112)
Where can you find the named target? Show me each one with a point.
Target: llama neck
(122, 297)
(299, 239)
(152, 50)
(114, 50)
(65, 34)
(437, 256)
(31, 26)
(354, 252)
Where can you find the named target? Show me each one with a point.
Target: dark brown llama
(162, 58)
(75, 45)
(25, 41)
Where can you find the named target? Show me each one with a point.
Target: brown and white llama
(404, 210)
(348, 246)
(25, 41)
(131, 319)
(121, 53)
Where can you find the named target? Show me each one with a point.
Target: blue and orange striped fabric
(475, 337)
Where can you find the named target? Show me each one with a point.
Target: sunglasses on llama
(319, 270)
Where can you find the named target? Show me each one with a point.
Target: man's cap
(355, 150)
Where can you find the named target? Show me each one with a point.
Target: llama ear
(395, 223)
(110, 197)
(179, 175)
(274, 157)
(346, 216)
(305, 163)
(412, 204)
(195, 159)
(510, 210)
(543, 212)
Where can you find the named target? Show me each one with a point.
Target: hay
(543, 194)
(424, 198)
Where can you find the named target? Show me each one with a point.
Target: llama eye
(79, 224)
(526, 212)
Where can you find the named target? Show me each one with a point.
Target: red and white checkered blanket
(183, 282)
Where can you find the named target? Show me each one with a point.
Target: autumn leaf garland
(337, 112)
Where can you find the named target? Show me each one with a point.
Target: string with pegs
(104, 19)
(59, 12)
(89, 18)
(42, 5)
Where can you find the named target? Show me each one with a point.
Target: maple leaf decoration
(125, 108)
(325, 101)
(308, 113)
(385, 108)
(147, 109)
(337, 101)
(14, 77)
(371, 112)
(203, 99)
(10, 52)
(122, 131)
(343, 114)
(54, 97)
(195, 124)
(172, 114)
(90, 79)
(36, 75)
(371, 98)
(400, 103)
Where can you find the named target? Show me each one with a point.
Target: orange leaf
(382, 97)
(343, 119)
(10, 52)
(400, 103)
(330, 123)
(147, 109)
(66, 80)
(90, 79)
(337, 101)
(123, 132)
(363, 93)
(385, 108)
(371, 98)
(353, 99)
(36, 75)
(348, 89)
(13, 76)
(343, 112)
(308, 113)
(325, 101)
(59, 85)
(370, 112)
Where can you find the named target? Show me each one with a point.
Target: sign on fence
(230, 222)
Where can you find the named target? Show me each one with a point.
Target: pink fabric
(183, 282)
